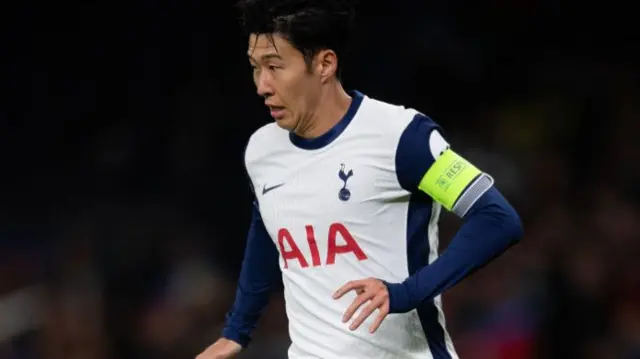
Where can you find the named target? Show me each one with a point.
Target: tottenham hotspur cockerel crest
(344, 193)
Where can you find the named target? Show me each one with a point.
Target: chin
(286, 123)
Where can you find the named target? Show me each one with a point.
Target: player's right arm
(260, 273)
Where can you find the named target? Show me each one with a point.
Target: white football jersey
(337, 210)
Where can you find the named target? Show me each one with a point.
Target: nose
(263, 85)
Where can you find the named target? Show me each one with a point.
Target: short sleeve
(425, 162)
(420, 144)
(248, 176)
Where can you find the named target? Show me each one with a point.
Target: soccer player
(348, 191)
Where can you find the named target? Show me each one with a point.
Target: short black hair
(309, 25)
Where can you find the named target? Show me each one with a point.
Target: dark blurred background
(124, 205)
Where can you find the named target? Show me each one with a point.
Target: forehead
(262, 44)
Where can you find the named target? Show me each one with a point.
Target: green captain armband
(447, 178)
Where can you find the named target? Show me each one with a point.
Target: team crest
(344, 193)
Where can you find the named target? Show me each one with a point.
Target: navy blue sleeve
(259, 275)
(413, 155)
(490, 227)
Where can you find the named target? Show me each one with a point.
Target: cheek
(296, 89)
(307, 94)
(291, 92)
(312, 96)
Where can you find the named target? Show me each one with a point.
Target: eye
(273, 68)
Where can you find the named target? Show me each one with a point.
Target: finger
(366, 312)
(349, 286)
(382, 313)
(357, 303)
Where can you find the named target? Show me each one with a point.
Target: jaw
(287, 122)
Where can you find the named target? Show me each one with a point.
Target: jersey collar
(334, 132)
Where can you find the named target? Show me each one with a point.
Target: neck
(333, 103)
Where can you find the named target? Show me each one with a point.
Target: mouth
(277, 112)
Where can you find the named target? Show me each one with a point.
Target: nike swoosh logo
(266, 189)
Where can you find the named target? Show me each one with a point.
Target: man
(348, 194)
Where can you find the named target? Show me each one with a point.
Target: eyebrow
(267, 57)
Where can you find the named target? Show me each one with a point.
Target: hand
(373, 290)
(222, 349)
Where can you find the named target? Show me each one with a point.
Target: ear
(326, 64)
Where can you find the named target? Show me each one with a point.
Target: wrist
(235, 337)
(399, 297)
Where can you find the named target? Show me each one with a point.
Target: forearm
(489, 228)
(260, 273)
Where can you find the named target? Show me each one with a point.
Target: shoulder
(397, 123)
(263, 142)
(386, 114)
(411, 138)
(393, 119)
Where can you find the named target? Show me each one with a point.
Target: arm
(259, 275)
(426, 163)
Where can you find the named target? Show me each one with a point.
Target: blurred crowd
(142, 261)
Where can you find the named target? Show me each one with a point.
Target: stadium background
(124, 206)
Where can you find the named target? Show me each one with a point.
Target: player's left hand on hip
(369, 290)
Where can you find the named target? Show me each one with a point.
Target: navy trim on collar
(333, 133)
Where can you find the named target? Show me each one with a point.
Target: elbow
(498, 211)
(514, 230)
(511, 222)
